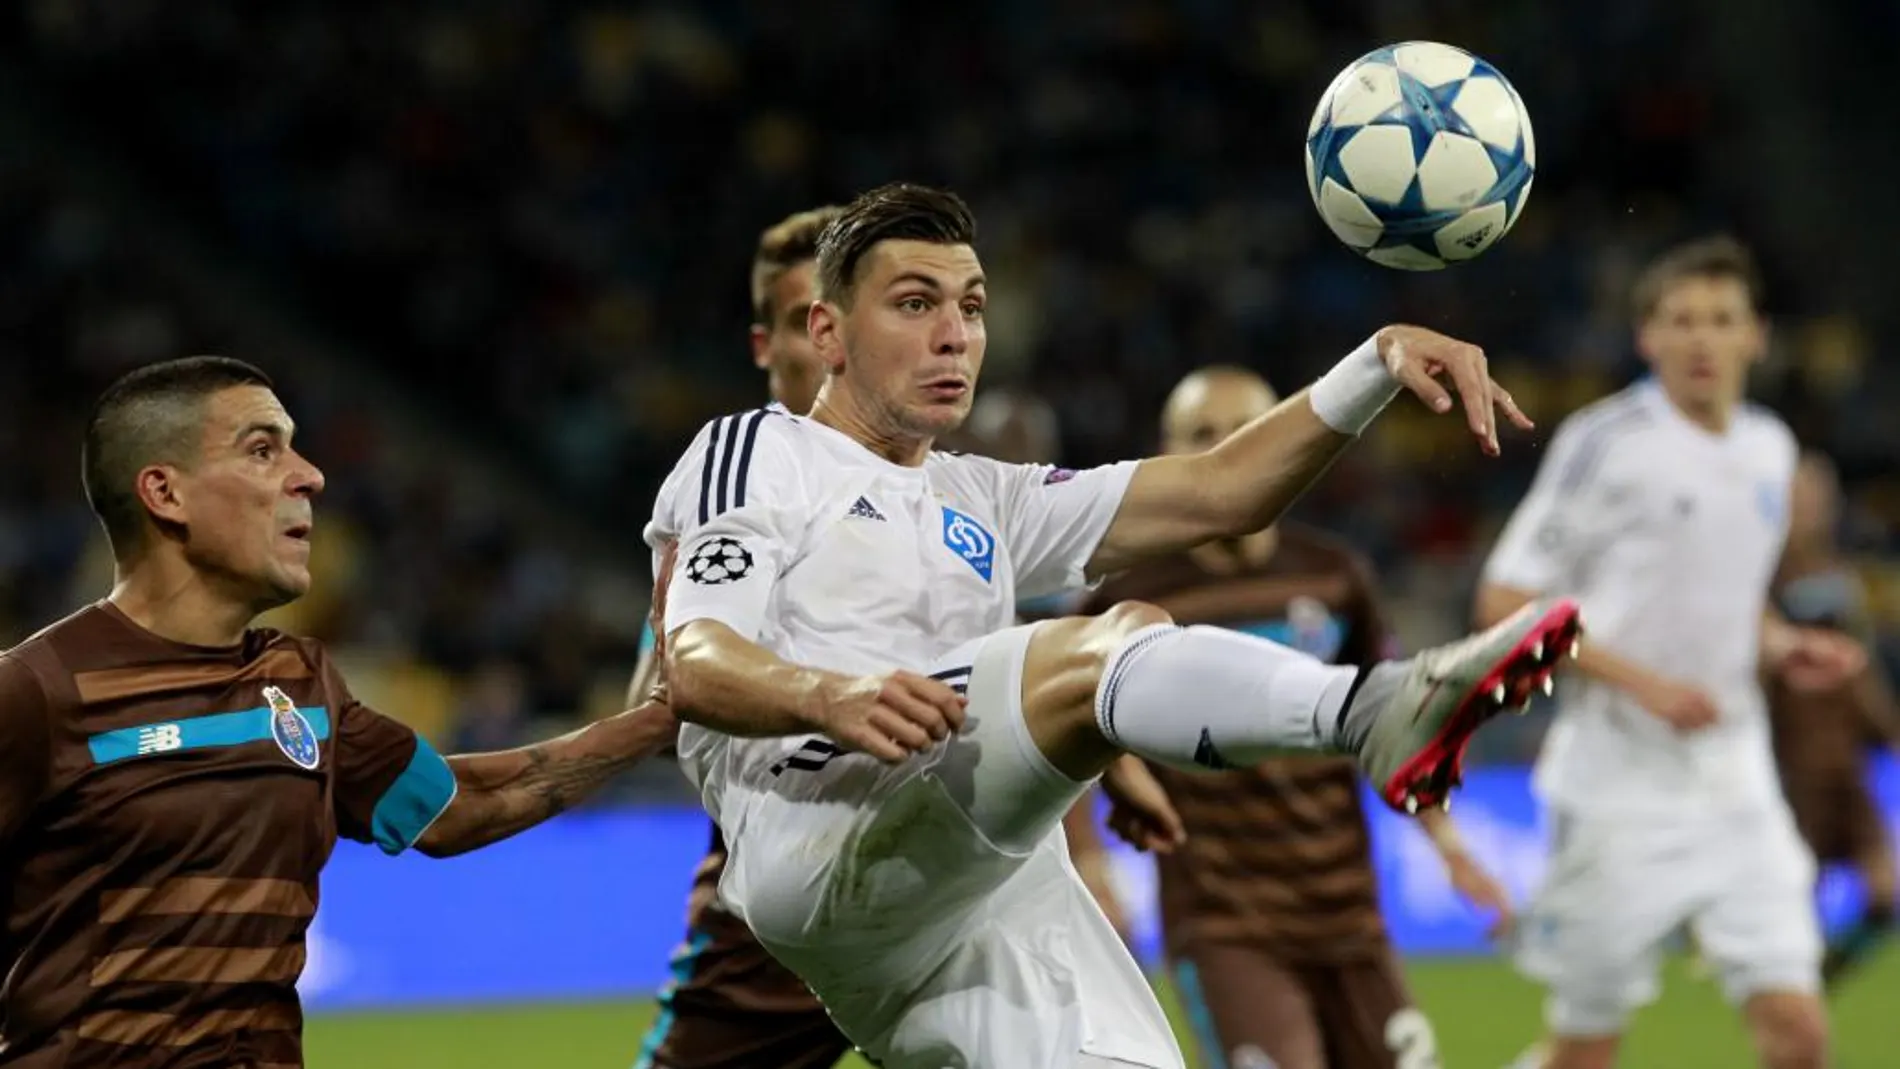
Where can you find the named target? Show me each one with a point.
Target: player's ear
(161, 492)
(761, 350)
(824, 324)
(1764, 337)
(1644, 343)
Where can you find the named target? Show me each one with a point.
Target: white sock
(1206, 697)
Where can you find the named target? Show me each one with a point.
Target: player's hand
(1418, 358)
(1139, 809)
(1682, 707)
(1482, 890)
(1821, 660)
(891, 716)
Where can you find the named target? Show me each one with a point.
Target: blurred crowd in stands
(532, 222)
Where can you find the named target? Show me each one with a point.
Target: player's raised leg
(1131, 681)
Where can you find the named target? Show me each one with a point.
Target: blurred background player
(1663, 510)
(173, 779)
(1269, 905)
(729, 1004)
(1822, 737)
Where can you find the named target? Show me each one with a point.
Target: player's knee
(1076, 650)
(1062, 670)
(1123, 619)
(1790, 1030)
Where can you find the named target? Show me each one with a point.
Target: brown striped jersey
(164, 813)
(1277, 855)
(1821, 738)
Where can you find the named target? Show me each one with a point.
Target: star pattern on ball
(719, 560)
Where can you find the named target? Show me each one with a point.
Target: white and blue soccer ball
(1420, 155)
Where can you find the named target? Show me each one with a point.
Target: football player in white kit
(1663, 510)
(890, 759)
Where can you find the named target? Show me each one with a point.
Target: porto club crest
(291, 730)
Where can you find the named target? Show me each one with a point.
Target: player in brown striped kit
(1269, 904)
(172, 780)
(1822, 736)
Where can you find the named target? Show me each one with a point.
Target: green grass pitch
(1484, 1016)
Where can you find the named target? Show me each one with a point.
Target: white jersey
(1668, 536)
(804, 541)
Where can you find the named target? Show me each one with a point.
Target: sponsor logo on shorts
(1058, 475)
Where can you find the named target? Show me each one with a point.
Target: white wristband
(1355, 391)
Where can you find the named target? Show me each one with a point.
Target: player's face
(1701, 340)
(910, 347)
(246, 504)
(1207, 410)
(783, 348)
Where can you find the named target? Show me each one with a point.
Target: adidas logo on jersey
(864, 510)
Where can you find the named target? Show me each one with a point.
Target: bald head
(1210, 404)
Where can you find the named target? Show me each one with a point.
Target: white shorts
(1618, 889)
(931, 905)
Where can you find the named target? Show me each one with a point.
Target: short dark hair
(1720, 256)
(900, 211)
(151, 415)
(784, 245)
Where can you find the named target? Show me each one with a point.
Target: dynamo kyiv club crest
(290, 730)
(967, 539)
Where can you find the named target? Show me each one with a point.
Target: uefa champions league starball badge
(291, 730)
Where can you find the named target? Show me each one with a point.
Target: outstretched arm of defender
(725, 682)
(1246, 482)
(501, 794)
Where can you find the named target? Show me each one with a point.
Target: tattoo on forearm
(556, 783)
(506, 793)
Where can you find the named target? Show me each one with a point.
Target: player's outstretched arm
(1468, 876)
(1246, 482)
(723, 681)
(501, 794)
(1685, 707)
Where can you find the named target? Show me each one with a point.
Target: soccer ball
(1420, 155)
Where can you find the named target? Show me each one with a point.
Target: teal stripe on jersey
(684, 960)
(420, 794)
(196, 733)
(1187, 983)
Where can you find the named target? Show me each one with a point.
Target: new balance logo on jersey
(159, 738)
(864, 510)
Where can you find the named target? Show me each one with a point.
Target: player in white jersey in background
(1663, 510)
(841, 591)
